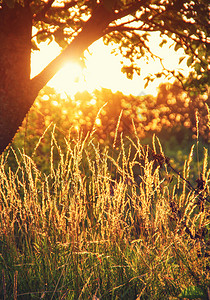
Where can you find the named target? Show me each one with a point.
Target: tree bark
(15, 49)
(17, 91)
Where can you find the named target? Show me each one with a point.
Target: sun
(69, 79)
(103, 69)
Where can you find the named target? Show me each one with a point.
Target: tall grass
(103, 223)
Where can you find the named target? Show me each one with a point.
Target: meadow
(111, 222)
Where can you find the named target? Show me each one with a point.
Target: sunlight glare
(103, 69)
(68, 79)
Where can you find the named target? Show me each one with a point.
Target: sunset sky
(103, 69)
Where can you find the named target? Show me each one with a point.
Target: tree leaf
(129, 70)
(190, 61)
(162, 43)
(177, 47)
(197, 67)
(181, 59)
(34, 46)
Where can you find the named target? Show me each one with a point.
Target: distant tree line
(172, 113)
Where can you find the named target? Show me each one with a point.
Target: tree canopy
(75, 25)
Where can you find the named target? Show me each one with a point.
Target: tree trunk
(17, 91)
(15, 51)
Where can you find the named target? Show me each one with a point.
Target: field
(111, 222)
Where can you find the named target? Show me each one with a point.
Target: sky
(103, 69)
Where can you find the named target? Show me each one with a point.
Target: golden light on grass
(89, 205)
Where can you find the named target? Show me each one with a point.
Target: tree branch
(48, 6)
(93, 29)
(67, 5)
(130, 9)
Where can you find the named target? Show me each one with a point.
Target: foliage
(175, 116)
(128, 26)
(92, 227)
